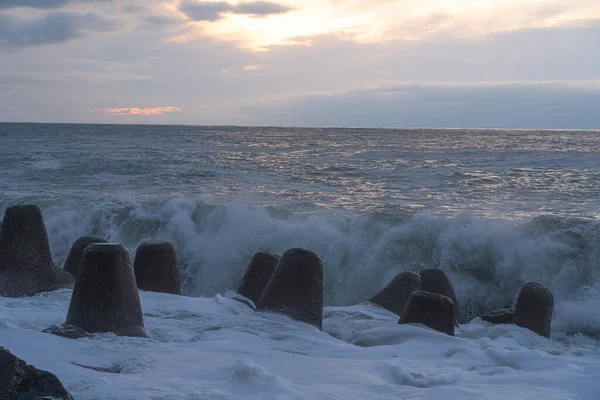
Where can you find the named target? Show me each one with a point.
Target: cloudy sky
(402, 63)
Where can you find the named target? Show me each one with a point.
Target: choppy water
(494, 208)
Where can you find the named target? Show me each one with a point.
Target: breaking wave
(487, 260)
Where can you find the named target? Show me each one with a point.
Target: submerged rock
(20, 381)
(394, 296)
(499, 316)
(434, 280)
(296, 288)
(259, 272)
(76, 253)
(156, 268)
(114, 369)
(26, 266)
(430, 309)
(67, 331)
(534, 308)
(105, 297)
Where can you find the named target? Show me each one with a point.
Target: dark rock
(500, 316)
(76, 253)
(259, 271)
(434, 280)
(534, 308)
(67, 331)
(105, 297)
(394, 296)
(156, 268)
(26, 266)
(20, 381)
(296, 288)
(430, 309)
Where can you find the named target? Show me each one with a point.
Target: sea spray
(487, 259)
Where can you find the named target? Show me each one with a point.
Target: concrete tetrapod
(394, 296)
(296, 288)
(26, 266)
(430, 309)
(76, 253)
(434, 280)
(105, 297)
(156, 268)
(259, 272)
(534, 308)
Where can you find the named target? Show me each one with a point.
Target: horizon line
(300, 126)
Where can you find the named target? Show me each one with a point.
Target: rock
(394, 296)
(67, 331)
(20, 381)
(296, 288)
(156, 268)
(76, 253)
(26, 266)
(430, 309)
(434, 280)
(259, 271)
(534, 308)
(500, 316)
(105, 297)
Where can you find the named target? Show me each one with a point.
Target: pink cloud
(146, 112)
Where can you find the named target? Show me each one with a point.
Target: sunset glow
(387, 20)
(146, 112)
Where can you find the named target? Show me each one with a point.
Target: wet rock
(394, 296)
(76, 253)
(26, 266)
(259, 272)
(434, 280)
(156, 268)
(500, 316)
(20, 381)
(296, 288)
(105, 297)
(67, 331)
(430, 309)
(534, 308)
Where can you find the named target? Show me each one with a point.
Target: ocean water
(493, 208)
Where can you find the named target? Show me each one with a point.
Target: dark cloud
(42, 4)
(54, 27)
(133, 8)
(205, 11)
(444, 105)
(213, 11)
(261, 8)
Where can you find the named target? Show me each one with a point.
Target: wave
(487, 260)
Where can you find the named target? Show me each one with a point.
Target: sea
(493, 208)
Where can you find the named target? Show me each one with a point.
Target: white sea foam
(217, 348)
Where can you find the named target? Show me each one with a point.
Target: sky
(377, 63)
